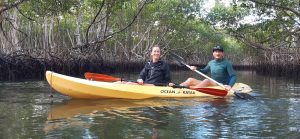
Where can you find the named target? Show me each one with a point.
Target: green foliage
(226, 16)
(275, 22)
(42, 8)
(174, 24)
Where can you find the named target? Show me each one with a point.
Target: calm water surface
(27, 111)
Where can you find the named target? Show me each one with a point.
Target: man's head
(218, 48)
(218, 52)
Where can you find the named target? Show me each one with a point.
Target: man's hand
(227, 87)
(193, 68)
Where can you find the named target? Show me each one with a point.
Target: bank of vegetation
(74, 36)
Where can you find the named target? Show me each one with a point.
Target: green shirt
(221, 71)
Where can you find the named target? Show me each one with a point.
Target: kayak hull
(88, 89)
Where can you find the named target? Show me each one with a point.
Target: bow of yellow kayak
(87, 89)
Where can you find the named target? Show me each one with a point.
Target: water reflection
(91, 107)
(157, 114)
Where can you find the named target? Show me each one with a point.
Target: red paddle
(108, 78)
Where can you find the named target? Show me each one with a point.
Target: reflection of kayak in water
(72, 113)
(83, 113)
(73, 107)
(77, 113)
(87, 89)
(90, 107)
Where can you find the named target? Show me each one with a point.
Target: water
(27, 111)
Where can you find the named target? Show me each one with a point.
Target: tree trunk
(297, 51)
(45, 40)
(77, 30)
(51, 41)
(2, 39)
(13, 31)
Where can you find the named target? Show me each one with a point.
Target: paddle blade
(179, 64)
(243, 95)
(90, 74)
(212, 91)
(179, 60)
(100, 77)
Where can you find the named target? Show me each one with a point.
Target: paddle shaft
(205, 76)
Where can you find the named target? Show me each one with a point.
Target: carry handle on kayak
(108, 78)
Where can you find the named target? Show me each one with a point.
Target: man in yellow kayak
(220, 68)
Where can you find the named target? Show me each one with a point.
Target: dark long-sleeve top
(221, 71)
(156, 73)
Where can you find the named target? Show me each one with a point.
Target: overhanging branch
(278, 6)
(109, 36)
(93, 21)
(5, 7)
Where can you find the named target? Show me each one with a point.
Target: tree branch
(132, 21)
(5, 7)
(19, 30)
(24, 14)
(93, 21)
(107, 37)
(250, 43)
(277, 6)
(292, 18)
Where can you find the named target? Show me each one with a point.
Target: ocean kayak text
(176, 92)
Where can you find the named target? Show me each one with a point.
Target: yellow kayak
(88, 89)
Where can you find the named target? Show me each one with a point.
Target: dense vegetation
(73, 36)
